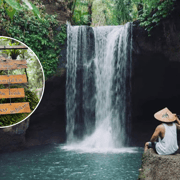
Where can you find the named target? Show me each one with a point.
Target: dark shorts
(152, 145)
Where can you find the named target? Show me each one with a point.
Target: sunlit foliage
(117, 12)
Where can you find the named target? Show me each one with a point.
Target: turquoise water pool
(54, 162)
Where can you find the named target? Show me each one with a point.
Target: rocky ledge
(13, 138)
(158, 167)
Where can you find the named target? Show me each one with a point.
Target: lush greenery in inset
(40, 34)
(34, 75)
(33, 71)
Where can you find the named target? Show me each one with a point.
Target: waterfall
(98, 101)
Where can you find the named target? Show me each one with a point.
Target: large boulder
(159, 167)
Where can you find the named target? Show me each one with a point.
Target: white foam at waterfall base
(100, 141)
(77, 147)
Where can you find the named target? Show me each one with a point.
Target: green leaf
(85, 13)
(14, 4)
(77, 11)
(35, 10)
(10, 11)
(1, 1)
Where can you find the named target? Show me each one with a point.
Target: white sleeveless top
(168, 145)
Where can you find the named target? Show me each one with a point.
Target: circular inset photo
(21, 82)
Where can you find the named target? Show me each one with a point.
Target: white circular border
(43, 84)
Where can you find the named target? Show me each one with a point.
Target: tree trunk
(90, 13)
(72, 11)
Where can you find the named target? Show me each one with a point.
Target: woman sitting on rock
(165, 132)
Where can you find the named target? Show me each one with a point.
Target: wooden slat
(15, 108)
(12, 93)
(13, 79)
(12, 64)
(13, 47)
(3, 59)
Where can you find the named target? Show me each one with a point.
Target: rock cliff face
(13, 138)
(156, 167)
(156, 69)
(48, 122)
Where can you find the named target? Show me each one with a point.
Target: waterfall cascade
(98, 85)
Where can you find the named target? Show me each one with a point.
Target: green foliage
(11, 6)
(116, 12)
(100, 12)
(33, 71)
(148, 12)
(154, 12)
(80, 18)
(81, 14)
(12, 52)
(122, 12)
(9, 119)
(41, 35)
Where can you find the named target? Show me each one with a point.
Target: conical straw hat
(165, 115)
